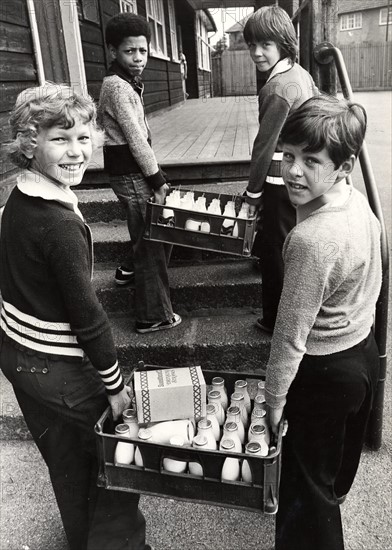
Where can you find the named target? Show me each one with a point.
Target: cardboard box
(170, 394)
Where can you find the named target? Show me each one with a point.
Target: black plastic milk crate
(261, 495)
(227, 244)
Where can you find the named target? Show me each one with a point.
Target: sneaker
(142, 328)
(261, 324)
(124, 276)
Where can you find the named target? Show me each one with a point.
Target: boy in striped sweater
(56, 345)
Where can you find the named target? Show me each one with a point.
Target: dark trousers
(150, 259)
(327, 409)
(61, 402)
(277, 220)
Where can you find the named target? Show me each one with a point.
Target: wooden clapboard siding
(17, 72)
(162, 78)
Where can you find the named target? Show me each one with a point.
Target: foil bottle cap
(231, 426)
(227, 444)
(218, 381)
(204, 423)
(258, 429)
(199, 441)
(233, 410)
(241, 384)
(214, 394)
(122, 429)
(144, 433)
(253, 447)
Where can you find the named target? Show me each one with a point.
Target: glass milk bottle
(234, 415)
(259, 416)
(218, 384)
(199, 442)
(174, 465)
(230, 431)
(253, 448)
(204, 427)
(145, 435)
(259, 402)
(231, 469)
(214, 397)
(257, 433)
(261, 388)
(124, 452)
(228, 224)
(130, 417)
(241, 386)
(212, 410)
(237, 400)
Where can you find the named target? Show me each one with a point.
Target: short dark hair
(325, 121)
(272, 23)
(122, 25)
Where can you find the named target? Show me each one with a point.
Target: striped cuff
(112, 378)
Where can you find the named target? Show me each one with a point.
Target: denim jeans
(328, 406)
(150, 259)
(61, 400)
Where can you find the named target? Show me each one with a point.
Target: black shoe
(124, 276)
(262, 325)
(142, 328)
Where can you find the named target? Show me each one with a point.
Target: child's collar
(282, 66)
(34, 184)
(334, 198)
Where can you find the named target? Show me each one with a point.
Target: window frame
(380, 21)
(86, 14)
(173, 32)
(130, 3)
(154, 8)
(345, 18)
(203, 46)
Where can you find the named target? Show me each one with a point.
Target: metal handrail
(324, 54)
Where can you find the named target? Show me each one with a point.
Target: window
(88, 10)
(384, 16)
(203, 48)
(156, 19)
(173, 31)
(128, 6)
(351, 21)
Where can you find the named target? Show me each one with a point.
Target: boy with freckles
(323, 366)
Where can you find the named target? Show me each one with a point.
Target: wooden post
(324, 26)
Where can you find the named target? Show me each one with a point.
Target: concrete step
(111, 245)
(102, 205)
(226, 340)
(219, 285)
(194, 171)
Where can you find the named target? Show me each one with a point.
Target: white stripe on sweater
(39, 335)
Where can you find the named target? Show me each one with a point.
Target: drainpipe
(36, 42)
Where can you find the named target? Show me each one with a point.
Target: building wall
(162, 78)
(371, 30)
(17, 72)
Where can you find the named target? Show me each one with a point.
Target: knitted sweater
(121, 114)
(287, 87)
(331, 284)
(49, 305)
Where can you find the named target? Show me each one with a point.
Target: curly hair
(272, 23)
(126, 24)
(43, 107)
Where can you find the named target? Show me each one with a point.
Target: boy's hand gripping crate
(261, 495)
(240, 245)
